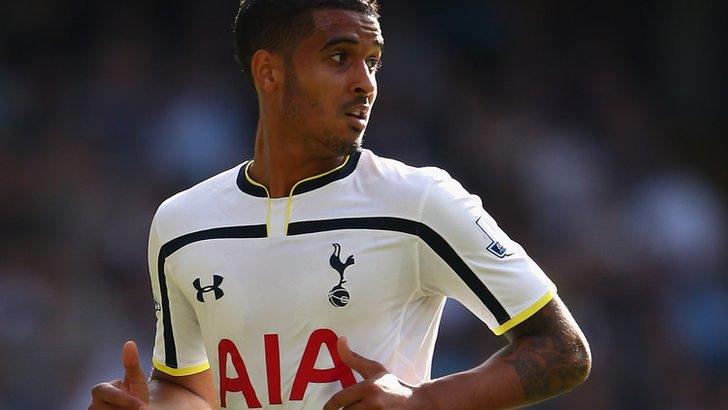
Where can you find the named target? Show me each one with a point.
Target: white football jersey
(259, 289)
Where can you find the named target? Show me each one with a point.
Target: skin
(304, 130)
(547, 355)
(162, 391)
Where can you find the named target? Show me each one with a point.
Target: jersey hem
(525, 313)
(185, 371)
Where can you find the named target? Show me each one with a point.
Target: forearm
(164, 395)
(527, 371)
(493, 385)
(548, 355)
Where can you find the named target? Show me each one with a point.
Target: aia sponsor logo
(307, 373)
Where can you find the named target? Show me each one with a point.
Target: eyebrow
(349, 40)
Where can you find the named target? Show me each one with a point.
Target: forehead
(330, 23)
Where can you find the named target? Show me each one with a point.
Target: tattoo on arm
(548, 352)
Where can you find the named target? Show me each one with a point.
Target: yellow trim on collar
(290, 195)
(267, 213)
(525, 313)
(289, 207)
(186, 371)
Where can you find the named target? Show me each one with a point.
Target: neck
(280, 161)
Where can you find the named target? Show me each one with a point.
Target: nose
(364, 81)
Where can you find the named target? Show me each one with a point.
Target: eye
(338, 57)
(374, 63)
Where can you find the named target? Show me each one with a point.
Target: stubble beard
(298, 107)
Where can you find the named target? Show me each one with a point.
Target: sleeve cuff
(184, 371)
(525, 313)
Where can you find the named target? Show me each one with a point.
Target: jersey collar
(250, 187)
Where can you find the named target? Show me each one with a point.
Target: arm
(191, 392)
(162, 391)
(187, 385)
(547, 355)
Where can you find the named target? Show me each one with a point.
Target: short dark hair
(279, 25)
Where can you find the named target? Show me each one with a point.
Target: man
(265, 274)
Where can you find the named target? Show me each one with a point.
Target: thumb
(134, 378)
(366, 367)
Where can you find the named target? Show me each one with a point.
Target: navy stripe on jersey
(233, 232)
(436, 242)
(326, 179)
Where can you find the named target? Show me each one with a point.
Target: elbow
(580, 359)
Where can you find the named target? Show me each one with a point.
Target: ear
(267, 70)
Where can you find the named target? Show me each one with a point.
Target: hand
(379, 390)
(130, 393)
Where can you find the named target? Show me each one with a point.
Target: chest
(326, 279)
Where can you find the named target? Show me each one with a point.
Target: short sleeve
(178, 345)
(463, 254)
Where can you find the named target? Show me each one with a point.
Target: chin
(344, 141)
(349, 146)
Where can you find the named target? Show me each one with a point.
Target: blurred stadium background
(595, 134)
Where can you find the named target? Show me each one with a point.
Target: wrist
(422, 397)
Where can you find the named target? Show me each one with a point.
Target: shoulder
(184, 211)
(428, 192)
(403, 181)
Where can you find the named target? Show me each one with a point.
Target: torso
(279, 286)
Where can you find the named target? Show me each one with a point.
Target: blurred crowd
(596, 136)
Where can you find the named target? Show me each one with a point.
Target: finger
(360, 405)
(348, 396)
(105, 395)
(133, 372)
(104, 406)
(366, 367)
(134, 378)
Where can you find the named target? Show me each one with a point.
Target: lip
(356, 121)
(360, 111)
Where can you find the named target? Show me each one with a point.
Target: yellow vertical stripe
(289, 205)
(289, 208)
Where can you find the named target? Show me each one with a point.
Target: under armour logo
(338, 296)
(215, 287)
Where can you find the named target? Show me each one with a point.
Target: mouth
(360, 112)
(358, 117)
(357, 123)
